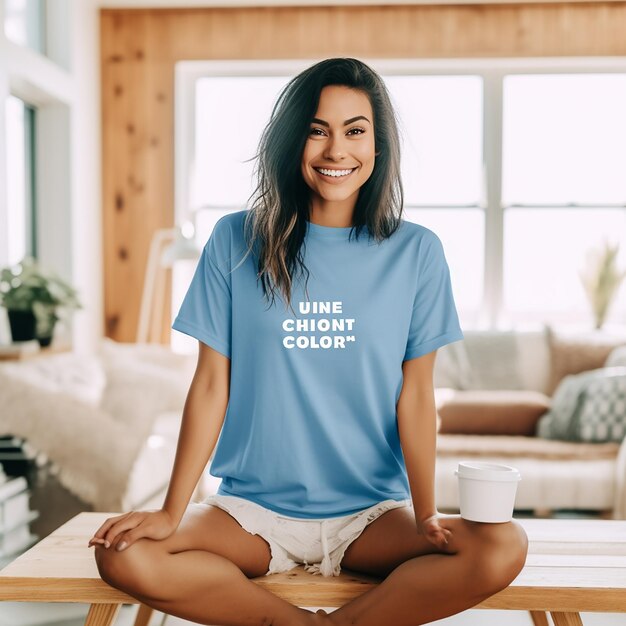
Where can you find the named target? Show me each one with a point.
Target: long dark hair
(275, 225)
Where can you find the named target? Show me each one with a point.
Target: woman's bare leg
(481, 560)
(208, 589)
(202, 573)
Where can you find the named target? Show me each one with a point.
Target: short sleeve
(434, 319)
(206, 310)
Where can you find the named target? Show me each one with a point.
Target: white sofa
(110, 423)
(555, 474)
(105, 424)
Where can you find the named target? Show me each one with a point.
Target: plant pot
(44, 329)
(45, 341)
(23, 324)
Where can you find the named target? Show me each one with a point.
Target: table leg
(566, 619)
(102, 614)
(539, 618)
(143, 615)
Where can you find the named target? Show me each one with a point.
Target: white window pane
(24, 23)
(17, 177)
(544, 252)
(231, 113)
(441, 133)
(564, 138)
(462, 235)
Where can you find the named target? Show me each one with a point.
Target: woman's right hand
(121, 531)
(434, 531)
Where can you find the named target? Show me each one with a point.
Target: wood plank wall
(140, 47)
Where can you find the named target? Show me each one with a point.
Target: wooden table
(572, 566)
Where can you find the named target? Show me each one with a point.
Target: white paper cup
(487, 491)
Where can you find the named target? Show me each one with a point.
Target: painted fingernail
(107, 544)
(122, 545)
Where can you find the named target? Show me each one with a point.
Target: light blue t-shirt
(310, 430)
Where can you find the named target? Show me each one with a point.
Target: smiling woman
(330, 445)
(341, 154)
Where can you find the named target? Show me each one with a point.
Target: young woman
(318, 312)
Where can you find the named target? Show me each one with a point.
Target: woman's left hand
(434, 532)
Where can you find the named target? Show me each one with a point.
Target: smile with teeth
(334, 173)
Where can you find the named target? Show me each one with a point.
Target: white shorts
(319, 544)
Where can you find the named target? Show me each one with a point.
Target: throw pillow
(575, 353)
(493, 360)
(533, 357)
(590, 406)
(444, 373)
(144, 379)
(492, 412)
(602, 415)
(465, 373)
(452, 367)
(617, 357)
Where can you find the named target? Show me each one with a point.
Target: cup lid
(479, 470)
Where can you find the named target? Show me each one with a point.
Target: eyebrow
(352, 119)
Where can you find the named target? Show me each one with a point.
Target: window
(20, 125)
(24, 23)
(517, 166)
(564, 190)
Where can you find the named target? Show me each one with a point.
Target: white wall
(88, 270)
(4, 92)
(65, 88)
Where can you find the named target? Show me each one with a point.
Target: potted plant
(32, 297)
(601, 280)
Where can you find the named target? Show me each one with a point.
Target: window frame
(30, 177)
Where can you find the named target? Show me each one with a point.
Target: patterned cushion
(602, 415)
(590, 406)
(574, 352)
(617, 357)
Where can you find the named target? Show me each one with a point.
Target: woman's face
(339, 157)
